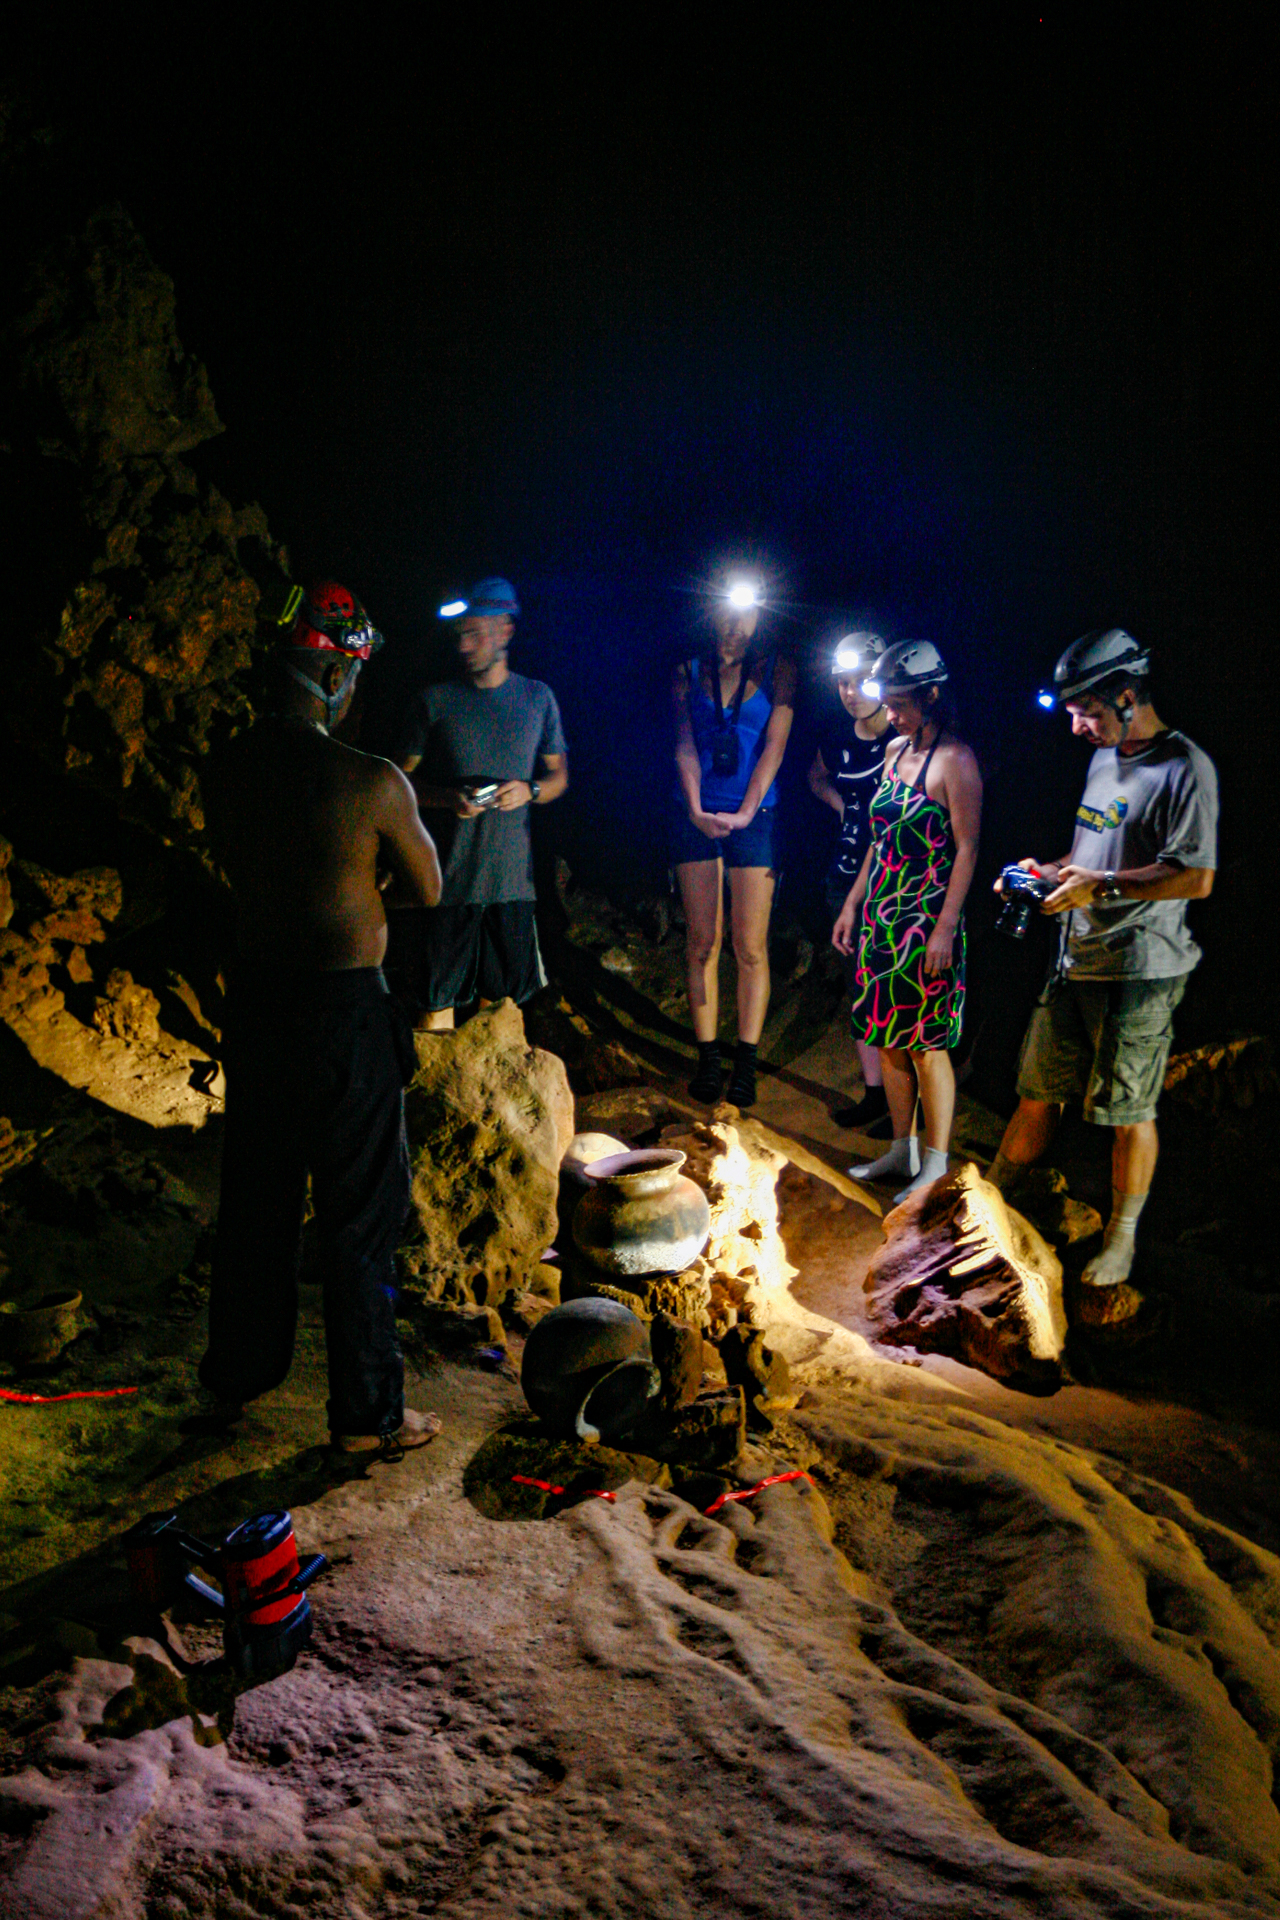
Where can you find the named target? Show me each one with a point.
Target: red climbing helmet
(331, 619)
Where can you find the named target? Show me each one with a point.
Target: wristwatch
(1110, 888)
(535, 789)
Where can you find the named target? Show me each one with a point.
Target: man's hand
(463, 805)
(1046, 868)
(512, 794)
(938, 949)
(712, 824)
(1076, 888)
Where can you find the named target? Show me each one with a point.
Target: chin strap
(329, 701)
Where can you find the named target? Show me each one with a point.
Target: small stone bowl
(31, 1335)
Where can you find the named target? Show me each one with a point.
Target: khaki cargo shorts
(1105, 1042)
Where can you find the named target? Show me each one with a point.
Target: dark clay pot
(34, 1335)
(587, 1371)
(641, 1215)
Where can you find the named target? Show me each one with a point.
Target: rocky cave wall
(138, 647)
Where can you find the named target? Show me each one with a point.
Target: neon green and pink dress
(896, 1004)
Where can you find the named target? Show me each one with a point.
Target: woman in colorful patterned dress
(903, 915)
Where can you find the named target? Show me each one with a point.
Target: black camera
(724, 753)
(1021, 897)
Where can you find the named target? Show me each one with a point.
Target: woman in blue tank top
(733, 716)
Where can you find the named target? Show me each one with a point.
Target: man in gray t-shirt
(481, 750)
(1145, 844)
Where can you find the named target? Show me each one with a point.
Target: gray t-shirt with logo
(464, 732)
(1160, 804)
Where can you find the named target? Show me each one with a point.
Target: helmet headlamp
(743, 594)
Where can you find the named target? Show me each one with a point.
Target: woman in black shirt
(845, 773)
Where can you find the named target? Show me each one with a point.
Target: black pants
(316, 1069)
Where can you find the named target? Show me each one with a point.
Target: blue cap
(491, 596)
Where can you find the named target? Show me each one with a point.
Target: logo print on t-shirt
(1099, 822)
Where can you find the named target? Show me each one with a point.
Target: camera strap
(736, 706)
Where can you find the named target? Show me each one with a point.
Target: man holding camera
(481, 750)
(1145, 843)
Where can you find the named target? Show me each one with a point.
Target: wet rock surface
(961, 1273)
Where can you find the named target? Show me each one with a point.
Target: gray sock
(933, 1164)
(1111, 1266)
(903, 1157)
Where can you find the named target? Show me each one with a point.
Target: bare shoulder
(377, 780)
(785, 680)
(957, 755)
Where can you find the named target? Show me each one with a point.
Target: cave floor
(998, 1656)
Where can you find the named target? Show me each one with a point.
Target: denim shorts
(754, 845)
(1105, 1042)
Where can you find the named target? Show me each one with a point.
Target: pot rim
(637, 1162)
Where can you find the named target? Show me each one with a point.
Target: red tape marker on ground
(48, 1399)
(773, 1480)
(545, 1486)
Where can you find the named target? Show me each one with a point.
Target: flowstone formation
(961, 1273)
(130, 654)
(490, 1119)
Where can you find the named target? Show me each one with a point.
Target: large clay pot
(641, 1215)
(587, 1370)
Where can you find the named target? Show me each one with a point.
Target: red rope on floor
(773, 1480)
(48, 1399)
(545, 1486)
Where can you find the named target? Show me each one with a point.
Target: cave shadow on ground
(86, 1606)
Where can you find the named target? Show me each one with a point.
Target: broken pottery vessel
(961, 1273)
(641, 1215)
(587, 1371)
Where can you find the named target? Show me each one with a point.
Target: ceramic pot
(34, 1335)
(642, 1215)
(587, 1371)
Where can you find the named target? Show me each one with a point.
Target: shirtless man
(316, 1060)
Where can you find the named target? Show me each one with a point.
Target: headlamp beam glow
(743, 594)
(1047, 700)
(872, 689)
(452, 608)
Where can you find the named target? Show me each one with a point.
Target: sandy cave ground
(1036, 1673)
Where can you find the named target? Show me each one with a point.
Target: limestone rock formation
(960, 1273)
(126, 684)
(112, 1045)
(744, 1261)
(1043, 1198)
(489, 1120)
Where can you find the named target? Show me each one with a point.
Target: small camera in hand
(1022, 894)
(724, 753)
(481, 793)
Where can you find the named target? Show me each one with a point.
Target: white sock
(903, 1157)
(1111, 1266)
(933, 1164)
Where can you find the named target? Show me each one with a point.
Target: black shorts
(461, 954)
